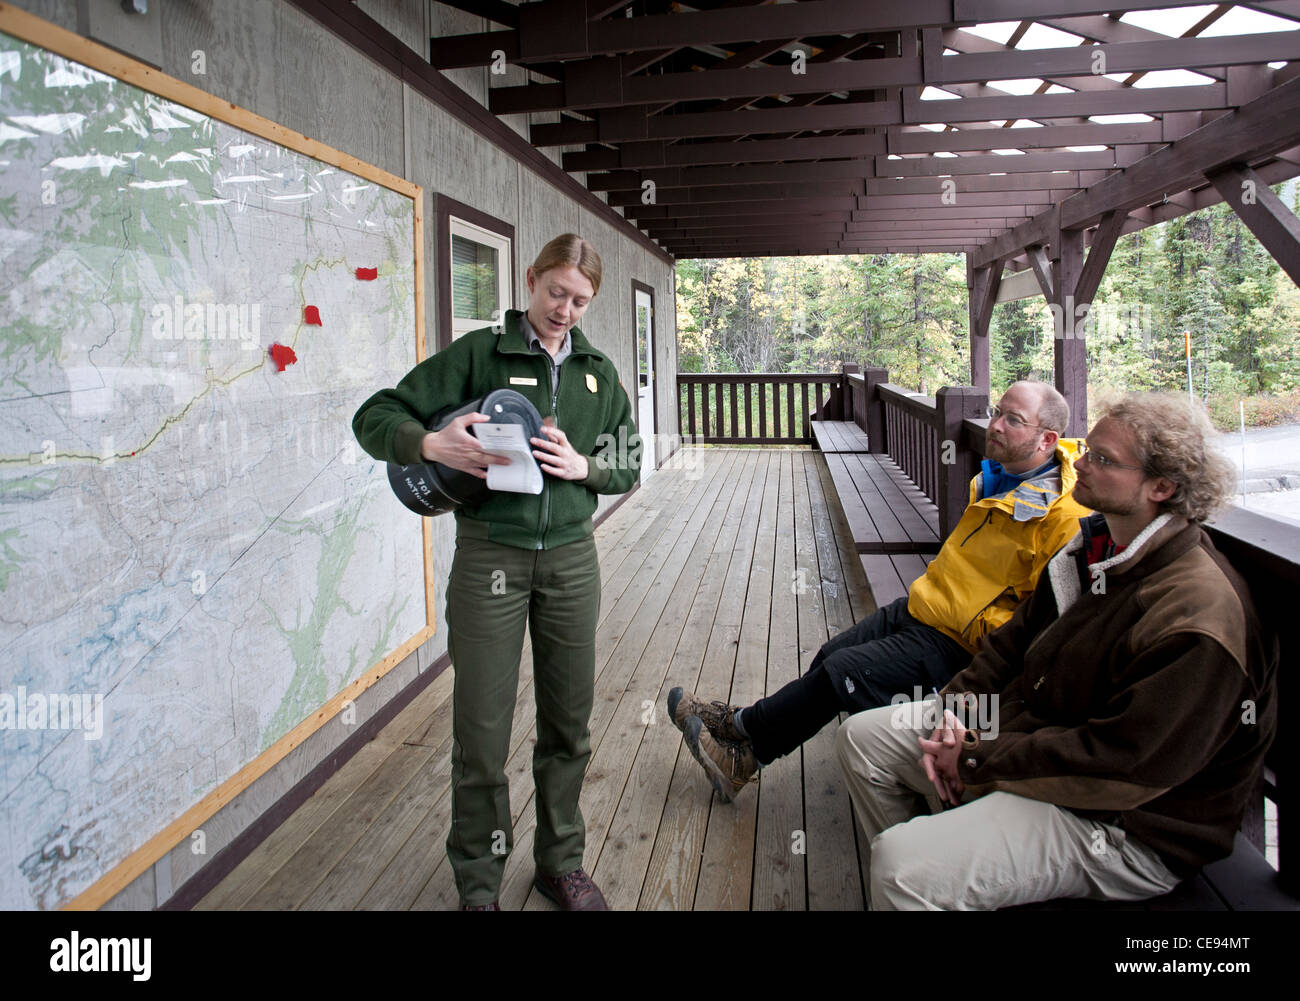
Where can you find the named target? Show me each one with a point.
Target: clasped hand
(939, 757)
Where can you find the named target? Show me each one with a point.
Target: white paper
(523, 475)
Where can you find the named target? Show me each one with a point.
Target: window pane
(643, 343)
(473, 279)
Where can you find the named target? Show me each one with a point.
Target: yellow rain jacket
(991, 561)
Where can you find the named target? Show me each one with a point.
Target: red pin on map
(311, 315)
(367, 274)
(282, 355)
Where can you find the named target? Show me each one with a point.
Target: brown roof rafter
(565, 29)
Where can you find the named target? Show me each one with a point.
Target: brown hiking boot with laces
(730, 764)
(716, 716)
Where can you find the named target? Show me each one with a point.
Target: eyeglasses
(1014, 421)
(1104, 461)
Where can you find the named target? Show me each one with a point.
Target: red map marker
(282, 355)
(311, 315)
(367, 274)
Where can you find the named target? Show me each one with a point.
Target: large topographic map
(193, 560)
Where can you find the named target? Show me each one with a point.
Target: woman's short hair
(1174, 439)
(569, 249)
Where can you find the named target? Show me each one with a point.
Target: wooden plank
(781, 837)
(631, 685)
(906, 502)
(887, 533)
(886, 586)
(828, 816)
(291, 884)
(620, 643)
(353, 875)
(845, 604)
(914, 510)
(847, 596)
(862, 527)
(673, 874)
(625, 855)
(252, 873)
(726, 871)
(1193, 894)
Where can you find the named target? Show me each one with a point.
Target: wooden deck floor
(724, 575)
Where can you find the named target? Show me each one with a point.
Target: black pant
(862, 668)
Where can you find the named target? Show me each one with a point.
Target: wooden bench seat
(886, 511)
(839, 436)
(890, 577)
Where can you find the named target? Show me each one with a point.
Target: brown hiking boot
(716, 716)
(729, 764)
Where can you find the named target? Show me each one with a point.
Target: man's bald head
(1053, 411)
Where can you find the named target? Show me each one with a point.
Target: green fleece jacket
(588, 404)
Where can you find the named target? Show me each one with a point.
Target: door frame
(640, 286)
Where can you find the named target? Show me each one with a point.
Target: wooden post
(1071, 357)
(953, 404)
(877, 438)
(846, 390)
(982, 295)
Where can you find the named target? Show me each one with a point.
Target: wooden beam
(1047, 137)
(729, 176)
(629, 123)
(1103, 243)
(1042, 268)
(1269, 123)
(659, 153)
(562, 29)
(1122, 57)
(1274, 225)
(1124, 100)
(990, 163)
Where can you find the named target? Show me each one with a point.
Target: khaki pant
(999, 850)
(492, 593)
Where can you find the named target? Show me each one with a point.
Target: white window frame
(505, 280)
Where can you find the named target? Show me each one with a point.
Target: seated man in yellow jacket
(1020, 513)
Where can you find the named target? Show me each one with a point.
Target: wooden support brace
(1274, 225)
(1103, 244)
(1042, 269)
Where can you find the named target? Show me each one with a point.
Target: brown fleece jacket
(1139, 691)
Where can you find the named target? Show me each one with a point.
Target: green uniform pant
(493, 591)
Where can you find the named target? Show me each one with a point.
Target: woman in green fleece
(521, 559)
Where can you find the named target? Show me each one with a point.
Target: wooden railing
(937, 441)
(752, 408)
